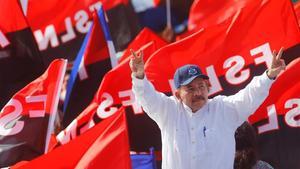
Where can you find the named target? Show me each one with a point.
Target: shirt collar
(197, 113)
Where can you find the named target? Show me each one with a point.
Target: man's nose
(197, 92)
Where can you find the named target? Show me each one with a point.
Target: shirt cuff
(265, 78)
(138, 82)
(269, 77)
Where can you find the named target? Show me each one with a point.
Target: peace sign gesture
(277, 66)
(137, 64)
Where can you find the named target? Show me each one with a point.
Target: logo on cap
(192, 71)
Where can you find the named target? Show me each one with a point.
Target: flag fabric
(143, 161)
(59, 26)
(114, 91)
(103, 146)
(277, 120)
(20, 60)
(231, 53)
(95, 58)
(141, 41)
(27, 120)
(207, 13)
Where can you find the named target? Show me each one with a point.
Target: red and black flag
(20, 60)
(95, 58)
(59, 26)
(231, 52)
(114, 91)
(27, 120)
(103, 146)
(277, 120)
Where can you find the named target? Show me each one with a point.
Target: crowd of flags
(100, 120)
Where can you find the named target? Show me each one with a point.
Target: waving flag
(114, 91)
(27, 120)
(20, 60)
(95, 58)
(206, 13)
(103, 146)
(59, 26)
(231, 53)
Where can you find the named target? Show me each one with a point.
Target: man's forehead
(196, 81)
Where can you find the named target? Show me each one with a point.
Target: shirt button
(192, 128)
(194, 157)
(193, 142)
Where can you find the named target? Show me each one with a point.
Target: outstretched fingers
(279, 54)
(137, 57)
(133, 54)
(137, 63)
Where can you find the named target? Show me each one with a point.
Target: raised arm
(155, 104)
(246, 101)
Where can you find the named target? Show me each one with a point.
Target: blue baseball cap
(186, 74)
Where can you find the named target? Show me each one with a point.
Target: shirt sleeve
(156, 104)
(238, 107)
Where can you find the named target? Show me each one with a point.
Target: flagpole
(55, 100)
(111, 48)
(168, 6)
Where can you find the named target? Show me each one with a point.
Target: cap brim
(192, 78)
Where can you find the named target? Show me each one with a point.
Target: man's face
(194, 94)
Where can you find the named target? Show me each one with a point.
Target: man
(198, 132)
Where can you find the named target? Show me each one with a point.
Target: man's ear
(177, 95)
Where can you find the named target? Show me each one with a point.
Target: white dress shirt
(204, 139)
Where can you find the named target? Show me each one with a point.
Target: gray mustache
(198, 98)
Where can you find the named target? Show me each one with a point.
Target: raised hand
(278, 64)
(137, 64)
